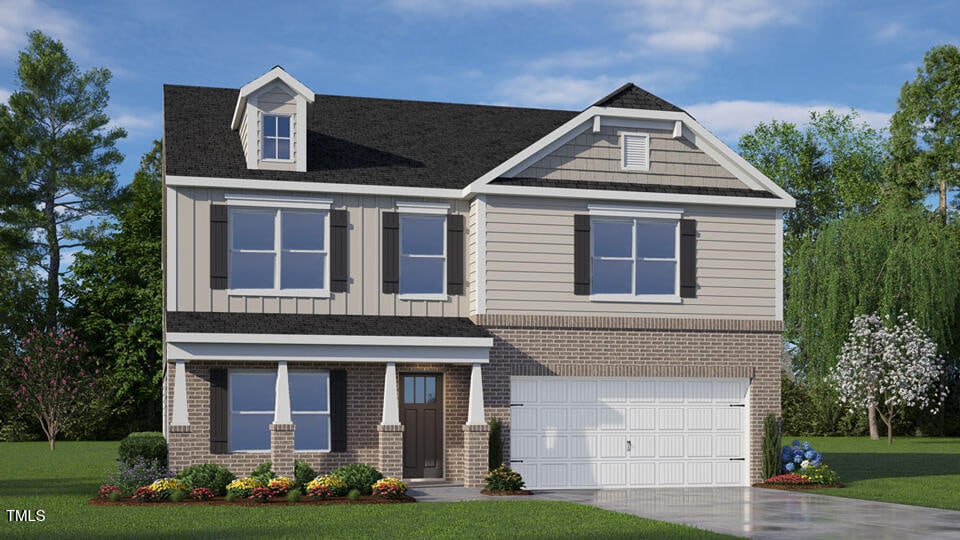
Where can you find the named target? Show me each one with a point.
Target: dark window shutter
(218, 246)
(338, 410)
(455, 254)
(688, 258)
(581, 254)
(219, 410)
(339, 251)
(391, 253)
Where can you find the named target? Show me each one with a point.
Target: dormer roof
(275, 74)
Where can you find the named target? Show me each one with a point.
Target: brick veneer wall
(364, 412)
(634, 347)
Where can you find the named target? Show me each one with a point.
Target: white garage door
(593, 432)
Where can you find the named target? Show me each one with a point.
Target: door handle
(629, 446)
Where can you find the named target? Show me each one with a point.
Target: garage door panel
(730, 473)
(644, 446)
(523, 390)
(699, 391)
(670, 473)
(613, 474)
(583, 447)
(699, 473)
(729, 446)
(523, 419)
(642, 474)
(699, 419)
(642, 419)
(670, 391)
(553, 419)
(613, 419)
(553, 391)
(699, 446)
(553, 475)
(671, 446)
(730, 391)
(613, 392)
(529, 473)
(582, 391)
(582, 419)
(730, 419)
(552, 447)
(671, 419)
(641, 391)
(523, 446)
(584, 475)
(613, 447)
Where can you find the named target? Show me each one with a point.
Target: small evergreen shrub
(359, 476)
(232, 496)
(263, 473)
(771, 446)
(302, 474)
(293, 496)
(178, 495)
(354, 495)
(149, 445)
(495, 446)
(115, 496)
(207, 475)
(504, 478)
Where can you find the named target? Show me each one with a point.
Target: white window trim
(640, 212)
(230, 388)
(277, 250)
(635, 216)
(327, 412)
(263, 138)
(278, 201)
(425, 208)
(623, 151)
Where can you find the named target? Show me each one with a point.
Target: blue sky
(730, 63)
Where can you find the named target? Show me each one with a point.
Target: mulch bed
(500, 493)
(221, 501)
(796, 487)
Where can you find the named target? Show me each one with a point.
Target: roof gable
(631, 96)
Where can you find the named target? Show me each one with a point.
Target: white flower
(805, 464)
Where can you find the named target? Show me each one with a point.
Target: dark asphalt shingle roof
(647, 188)
(340, 325)
(630, 96)
(354, 140)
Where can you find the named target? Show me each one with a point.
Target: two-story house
(371, 280)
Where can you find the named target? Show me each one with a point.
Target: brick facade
(635, 347)
(391, 451)
(475, 451)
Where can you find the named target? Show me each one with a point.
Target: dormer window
(276, 137)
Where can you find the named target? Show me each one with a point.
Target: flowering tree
(889, 365)
(53, 380)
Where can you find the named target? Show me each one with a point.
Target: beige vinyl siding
(530, 262)
(471, 252)
(273, 100)
(363, 296)
(597, 157)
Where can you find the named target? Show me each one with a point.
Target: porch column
(282, 428)
(390, 429)
(178, 431)
(180, 416)
(475, 434)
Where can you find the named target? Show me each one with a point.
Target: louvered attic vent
(635, 148)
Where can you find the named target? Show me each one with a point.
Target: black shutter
(581, 254)
(338, 250)
(219, 409)
(688, 258)
(455, 254)
(338, 410)
(218, 246)
(391, 253)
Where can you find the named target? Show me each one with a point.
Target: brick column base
(281, 449)
(391, 450)
(475, 452)
(178, 447)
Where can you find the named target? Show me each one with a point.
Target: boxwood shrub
(212, 476)
(149, 445)
(358, 476)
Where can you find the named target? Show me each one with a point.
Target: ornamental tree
(53, 380)
(889, 365)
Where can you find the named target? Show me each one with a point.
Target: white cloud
(4, 95)
(138, 125)
(19, 17)
(686, 41)
(573, 92)
(731, 119)
(891, 31)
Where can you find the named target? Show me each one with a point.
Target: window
(634, 257)
(276, 137)
(423, 254)
(252, 400)
(635, 151)
(278, 249)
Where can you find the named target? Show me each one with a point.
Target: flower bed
(221, 501)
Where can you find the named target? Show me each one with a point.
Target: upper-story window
(423, 256)
(635, 257)
(276, 137)
(278, 249)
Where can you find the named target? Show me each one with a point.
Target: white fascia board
(313, 339)
(632, 196)
(276, 73)
(379, 354)
(313, 187)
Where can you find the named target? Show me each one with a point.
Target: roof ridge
(631, 96)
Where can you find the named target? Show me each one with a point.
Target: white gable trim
(312, 187)
(632, 196)
(274, 74)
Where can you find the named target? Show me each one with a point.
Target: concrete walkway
(750, 512)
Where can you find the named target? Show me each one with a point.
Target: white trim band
(277, 201)
(313, 339)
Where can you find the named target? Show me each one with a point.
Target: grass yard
(61, 483)
(917, 471)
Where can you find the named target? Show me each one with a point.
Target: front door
(421, 412)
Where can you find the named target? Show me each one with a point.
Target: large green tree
(58, 160)
(116, 290)
(925, 130)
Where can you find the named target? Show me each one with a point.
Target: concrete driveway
(752, 512)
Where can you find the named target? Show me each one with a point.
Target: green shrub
(354, 495)
(504, 478)
(232, 496)
(149, 445)
(207, 475)
(302, 473)
(115, 496)
(771, 446)
(495, 446)
(263, 473)
(178, 495)
(358, 476)
(293, 496)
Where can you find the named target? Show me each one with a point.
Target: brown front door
(421, 412)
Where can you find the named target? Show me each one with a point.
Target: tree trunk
(53, 243)
(872, 421)
(53, 444)
(943, 201)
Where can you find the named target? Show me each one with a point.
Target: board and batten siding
(529, 262)
(364, 292)
(596, 157)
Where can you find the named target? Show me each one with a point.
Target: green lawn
(917, 471)
(61, 483)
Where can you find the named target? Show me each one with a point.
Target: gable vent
(636, 151)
